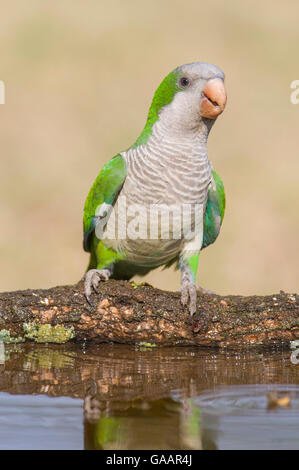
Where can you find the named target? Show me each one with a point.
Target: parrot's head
(191, 97)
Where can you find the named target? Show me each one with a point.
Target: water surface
(126, 397)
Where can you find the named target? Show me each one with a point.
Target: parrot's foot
(91, 280)
(189, 295)
(205, 291)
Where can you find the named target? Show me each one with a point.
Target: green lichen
(138, 284)
(135, 284)
(47, 333)
(143, 344)
(6, 338)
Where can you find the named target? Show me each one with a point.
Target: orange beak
(214, 99)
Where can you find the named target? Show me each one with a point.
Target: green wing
(214, 211)
(105, 189)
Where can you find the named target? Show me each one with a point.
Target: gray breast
(161, 175)
(167, 174)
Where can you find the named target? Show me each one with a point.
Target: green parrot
(160, 202)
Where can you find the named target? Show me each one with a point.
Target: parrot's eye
(184, 82)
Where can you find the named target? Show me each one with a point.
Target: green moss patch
(143, 344)
(47, 333)
(6, 338)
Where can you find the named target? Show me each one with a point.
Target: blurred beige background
(79, 79)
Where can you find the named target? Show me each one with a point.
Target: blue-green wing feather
(214, 211)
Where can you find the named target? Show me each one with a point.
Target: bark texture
(124, 312)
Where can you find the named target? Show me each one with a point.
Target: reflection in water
(171, 398)
(157, 424)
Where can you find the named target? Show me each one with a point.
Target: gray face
(200, 99)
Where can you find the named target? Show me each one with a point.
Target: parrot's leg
(93, 277)
(188, 268)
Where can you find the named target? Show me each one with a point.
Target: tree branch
(126, 313)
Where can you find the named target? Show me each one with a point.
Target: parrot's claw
(91, 280)
(189, 295)
(205, 291)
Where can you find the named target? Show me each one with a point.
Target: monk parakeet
(166, 178)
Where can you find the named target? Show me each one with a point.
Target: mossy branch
(128, 313)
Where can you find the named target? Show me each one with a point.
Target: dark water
(123, 397)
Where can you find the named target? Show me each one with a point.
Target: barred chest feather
(170, 173)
